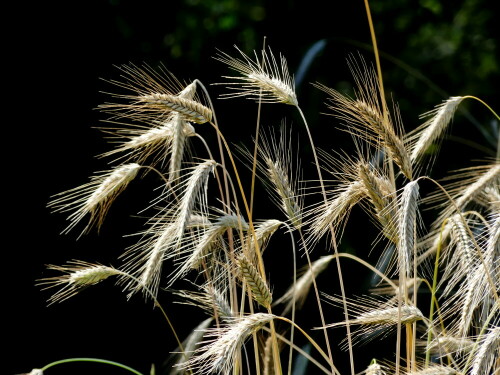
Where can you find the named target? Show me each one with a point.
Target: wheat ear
(94, 198)
(447, 344)
(153, 96)
(469, 188)
(210, 299)
(190, 344)
(375, 316)
(268, 82)
(217, 353)
(250, 274)
(141, 142)
(364, 115)
(206, 245)
(380, 192)
(77, 275)
(166, 236)
(336, 209)
(151, 260)
(194, 191)
(436, 370)
(177, 147)
(277, 166)
(430, 131)
(407, 218)
(487, 353)
(165, 103)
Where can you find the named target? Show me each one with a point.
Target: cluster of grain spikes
(463, 241)
(214, 244)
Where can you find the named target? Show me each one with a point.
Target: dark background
(55, 54)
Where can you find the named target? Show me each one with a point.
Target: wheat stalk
(268, 82)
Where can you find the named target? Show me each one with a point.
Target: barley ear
(217, 353)
(487, 353)
(77, 275)
(407, 222)
(190, 109)
(430, 131)
(270, 82)
(94, 198)
(259, 289)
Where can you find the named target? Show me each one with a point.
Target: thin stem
(157, 304)
(292, 330)
(318, 299)
(334, 245)
(95, 360)
(225, 199)
(300, 351)
(391, 167)
(484, 103)
(433, 291)
(314, 343)
(367, 265)
(252, 234)
(377, 58)
(494, 114)
(257, 128)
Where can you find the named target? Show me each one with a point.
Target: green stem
(95, 360)
(483, 103)
(494, 114)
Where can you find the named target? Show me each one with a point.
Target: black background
(55, 54)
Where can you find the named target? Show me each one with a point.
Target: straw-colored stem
(334, 244)
(257, 131)
(433, 291)
(252, 233)
(300, 351)
(314, 343)
(318, 299)
(292, 330)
